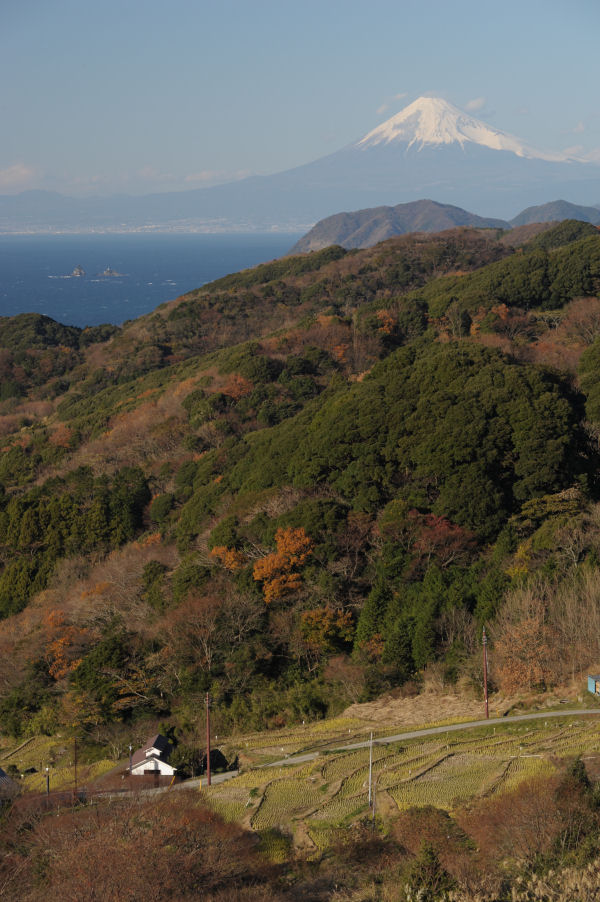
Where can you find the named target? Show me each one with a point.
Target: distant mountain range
(429, 149)
(365, 228)
(555, 212)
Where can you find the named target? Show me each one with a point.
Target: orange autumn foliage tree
(387, 323)
(237, 386)
(278, 570)
(63, 645)
(228, 557)
(61, 437)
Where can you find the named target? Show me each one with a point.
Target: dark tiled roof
(158, 742)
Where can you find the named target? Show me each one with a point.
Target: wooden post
(207, 739)
(374, 800)
(485, 670)
(370, 768)
(75, 767)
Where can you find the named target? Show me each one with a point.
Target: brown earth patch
(432, 707)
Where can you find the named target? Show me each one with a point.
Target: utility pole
(47, 781)
(374, 800)
(75, 766)
(485, 672)
(207, 739)
(370, 768)
(130, 759)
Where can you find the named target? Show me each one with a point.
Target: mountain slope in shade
(429, 149)
(556, 211)
(364, 228)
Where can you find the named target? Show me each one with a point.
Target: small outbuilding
(594, 684)
(8, 788)
(153, 759)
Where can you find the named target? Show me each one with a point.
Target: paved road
(200, 782)
(432, 731)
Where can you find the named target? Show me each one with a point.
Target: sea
(144, 270)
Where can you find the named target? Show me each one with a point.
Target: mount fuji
(432, 121)
(429, 149)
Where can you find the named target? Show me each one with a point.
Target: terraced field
(260, 748)
(445, 770)
(31, 758)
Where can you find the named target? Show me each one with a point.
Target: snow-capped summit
(431, 120)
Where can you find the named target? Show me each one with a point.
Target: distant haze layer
(429, 149)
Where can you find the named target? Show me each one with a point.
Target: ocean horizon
(36, 271)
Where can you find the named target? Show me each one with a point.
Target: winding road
(399, 737)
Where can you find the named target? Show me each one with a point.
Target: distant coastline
(198, 228)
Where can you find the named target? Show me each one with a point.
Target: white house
(153, 759)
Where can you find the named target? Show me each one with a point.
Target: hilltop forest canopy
(304, 484)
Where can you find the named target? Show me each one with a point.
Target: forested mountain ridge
(364, 228)
(303, 484)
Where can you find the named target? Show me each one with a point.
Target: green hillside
(304, 485)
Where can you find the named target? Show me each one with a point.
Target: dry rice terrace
(315, 799)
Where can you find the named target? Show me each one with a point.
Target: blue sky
(144, 95)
